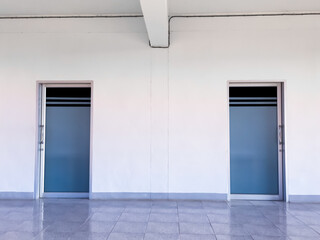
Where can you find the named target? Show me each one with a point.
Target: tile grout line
(108, 234)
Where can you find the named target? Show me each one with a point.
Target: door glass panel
(67, 150)
(253, 140)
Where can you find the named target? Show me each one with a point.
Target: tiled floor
(151, 220)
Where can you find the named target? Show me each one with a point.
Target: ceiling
(92, 7)
(68, 7)
(243, 6)
(155, 12)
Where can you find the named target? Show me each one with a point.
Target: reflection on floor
(128, 219)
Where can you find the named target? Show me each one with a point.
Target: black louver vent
(68, 97)
(253, 96)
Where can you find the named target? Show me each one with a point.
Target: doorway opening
(256, 141)
(64, 140)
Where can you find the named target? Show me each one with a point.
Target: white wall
(160, 116)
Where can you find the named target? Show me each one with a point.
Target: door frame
(280, 133)
(40, 136)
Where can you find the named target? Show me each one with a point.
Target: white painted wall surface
(160, 116)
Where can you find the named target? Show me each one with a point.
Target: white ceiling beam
(155, 14)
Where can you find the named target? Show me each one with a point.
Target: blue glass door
(67, 140)
(254, 159)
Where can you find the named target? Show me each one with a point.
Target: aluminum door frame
(280, 144)
(42, 137)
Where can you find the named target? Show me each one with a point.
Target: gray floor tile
(53, 217)
(126, 219)
(193, 218)
(220, 218)
(88, 236)
(268, 238)
(76, 219)
(271, 231)
(231, 237)
(312, 220)
(137, 210)
(6, 226)
(165, 210)
(104, 216)
(97, 227)
(106, 209)
(233, 203)
(304, 238)
(300, 231)
(195, 228)
(138, 203)
(63, 227)
(134, 217)
(53, 236)
(125, 236)
(17, 236)
(303, 213)
(20, 216)
(165, 203)
(218, 211)
(163, 217)
(191, 210)
(228, 229)
(274, 212)
(263, 203)
(197, 237)
(246, 211)
(288, 220)
(316, 228)
(161, 236)
(167, 228)
(254, 220)
(215, 204)
(130, 227)
(315, 206)
(189, 203)
(33, 226)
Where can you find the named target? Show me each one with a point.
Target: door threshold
(64, 195)
(255, 197)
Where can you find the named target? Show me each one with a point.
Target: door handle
(280, 134)
(41, 134)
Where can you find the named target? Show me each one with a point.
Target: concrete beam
(155, 14)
